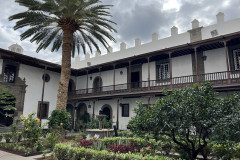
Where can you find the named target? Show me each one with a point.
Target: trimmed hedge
(65, 152)
(125, 134)
(125, 140)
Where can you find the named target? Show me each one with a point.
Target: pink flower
(148, 148)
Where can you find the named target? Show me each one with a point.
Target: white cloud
(135, 18)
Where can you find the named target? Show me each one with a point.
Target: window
(236, 54)
(43, 109)
(163, 71)
(125, 110)
(9, 74)
(47, 77)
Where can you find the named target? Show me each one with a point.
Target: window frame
(47, 109)
(12, 70)
(166, 73)
(236, 57)
(124, 113)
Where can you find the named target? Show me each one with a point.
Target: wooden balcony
(221, 81)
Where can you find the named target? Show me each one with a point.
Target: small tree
(190, 117)
(7, 103)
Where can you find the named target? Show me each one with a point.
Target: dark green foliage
(85, 117)
(59, 118)
(53, 137)
(94, 124)
(65, 152)
(190, 117)
(46, 20)
(7, 106)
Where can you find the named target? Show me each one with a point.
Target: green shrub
(94, 123)
(8, 137)
(65, 152)
(226, 151)
(60, 118)
(126, 141)
(31, 129)
(52, 137)
(16, 147)
(38, 145)
(1, 137)
(125, 134)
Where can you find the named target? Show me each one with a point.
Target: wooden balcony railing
(217, 79)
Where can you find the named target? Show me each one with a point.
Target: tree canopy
(190, 117)
(72, 24)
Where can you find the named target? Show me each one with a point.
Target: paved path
(10, 156)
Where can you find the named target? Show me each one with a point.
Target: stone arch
(70, 109)
(71, 85)
(107, 110)
(97, 84)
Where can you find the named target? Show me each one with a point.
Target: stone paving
(10, 156)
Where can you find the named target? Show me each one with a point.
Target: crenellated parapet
(196, 33)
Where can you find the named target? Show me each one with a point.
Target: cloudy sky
(134, 18)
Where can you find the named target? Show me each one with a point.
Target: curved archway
(97, 84)
(107, 110)
(70, 109)
(71, 85)
(81, 110)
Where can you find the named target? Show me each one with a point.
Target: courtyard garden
(190, 123)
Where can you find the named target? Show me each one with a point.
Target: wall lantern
(121, 72)
(204, 57)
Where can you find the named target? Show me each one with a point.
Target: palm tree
(72, 24)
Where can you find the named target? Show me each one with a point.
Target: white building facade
(115, 81)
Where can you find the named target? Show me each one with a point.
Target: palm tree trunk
(65, 68)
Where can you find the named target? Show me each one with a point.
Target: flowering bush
(148, 151)
(123, 148)
(31, 129)
(87, 143)
(120, 148)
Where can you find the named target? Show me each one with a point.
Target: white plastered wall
(182, 66)
(34, 84)
(152, 71)
(107, 78)
(123, 121)
(1, 65)
(222, 28)
(216, 61)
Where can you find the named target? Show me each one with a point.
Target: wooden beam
(196, 63)
(148, 73)
(87, 83)
(118, 113)
(114, 76)
(170, 68)
(227, 62)
(130, 78)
